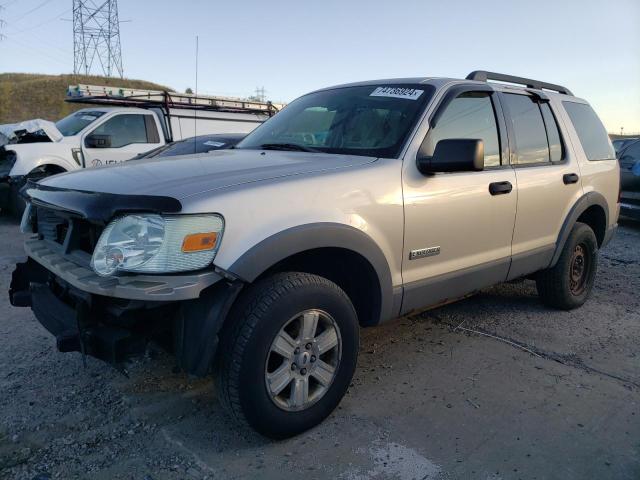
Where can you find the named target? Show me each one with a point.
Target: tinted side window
(592, 134)
(470, 116)
(124, 130)
(553, 133)
(529, 131)
(630, 155)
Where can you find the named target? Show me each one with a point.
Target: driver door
(119, 138)
(458, 225)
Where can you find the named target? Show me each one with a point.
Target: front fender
(27, 162)
(259, 258)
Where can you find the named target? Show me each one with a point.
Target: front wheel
(288, 354)
(569, 282)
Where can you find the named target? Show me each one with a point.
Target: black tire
(245, 346)
(16, 202)
(557, 286)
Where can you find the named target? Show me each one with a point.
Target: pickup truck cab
(120, 125)
(354, 205)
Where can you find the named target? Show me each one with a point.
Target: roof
(497, 80)
(111, 109)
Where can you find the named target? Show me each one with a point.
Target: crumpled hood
(185, 176)
(8, 130)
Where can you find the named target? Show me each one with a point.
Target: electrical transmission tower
(260, 94)
(2, 23)
(96, 38)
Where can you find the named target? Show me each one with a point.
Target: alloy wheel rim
(579, 270)
(303, 360)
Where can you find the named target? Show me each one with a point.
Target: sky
(291, 47)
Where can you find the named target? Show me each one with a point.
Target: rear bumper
(630, 203)
(630, 210)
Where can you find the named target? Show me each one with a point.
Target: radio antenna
(195, 110)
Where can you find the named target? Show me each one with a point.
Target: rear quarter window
(592, 134)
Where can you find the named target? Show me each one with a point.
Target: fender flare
(581, 205)
(268, 252)
(45, 160)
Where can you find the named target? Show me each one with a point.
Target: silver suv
(354, 205)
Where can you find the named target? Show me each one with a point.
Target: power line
(96, 38)
(38, 25)
(6, 4)
(37, 7)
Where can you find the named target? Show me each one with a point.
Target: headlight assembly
(149, 243)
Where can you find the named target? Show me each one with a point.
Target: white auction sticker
(89, 118)
(397, 92)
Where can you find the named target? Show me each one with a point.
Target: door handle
(500, 188)
(568, 178)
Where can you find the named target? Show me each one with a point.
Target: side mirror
(98, 141)
(454, 155)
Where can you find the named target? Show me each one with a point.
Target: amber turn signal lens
(198, 242)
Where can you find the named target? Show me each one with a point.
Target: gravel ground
(435, 396)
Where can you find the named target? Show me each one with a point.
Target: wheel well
(349, 270)
(46, 169)
(596, 218)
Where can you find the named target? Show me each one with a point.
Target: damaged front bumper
(74, 318)
(113, 319)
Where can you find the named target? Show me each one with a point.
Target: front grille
(55, 226)
(51, 225)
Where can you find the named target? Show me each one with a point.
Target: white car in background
(119, 127)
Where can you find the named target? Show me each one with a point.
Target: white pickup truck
(120, 124)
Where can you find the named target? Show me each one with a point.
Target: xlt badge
(424, 252)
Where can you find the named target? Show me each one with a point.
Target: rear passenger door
(547, 175)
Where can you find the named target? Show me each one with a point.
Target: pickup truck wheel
(567, 285)
(16, 202)
(289, 353)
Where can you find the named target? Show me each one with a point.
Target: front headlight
(157, 244)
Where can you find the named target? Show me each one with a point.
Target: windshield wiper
(294, 147)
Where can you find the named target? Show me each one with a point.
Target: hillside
(24, 96)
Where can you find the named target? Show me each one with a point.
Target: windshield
(370, 120)
(197, 145)
(74, 123)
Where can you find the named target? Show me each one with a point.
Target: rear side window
(470, 116)
(553, 133)
(537, 138)
(630, 155)
(592, 134)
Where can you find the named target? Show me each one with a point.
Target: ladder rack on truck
(172, 103)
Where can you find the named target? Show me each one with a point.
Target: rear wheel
(289, 354)
(568, 284)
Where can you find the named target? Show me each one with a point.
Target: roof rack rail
(127, 97)
(484, 76)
